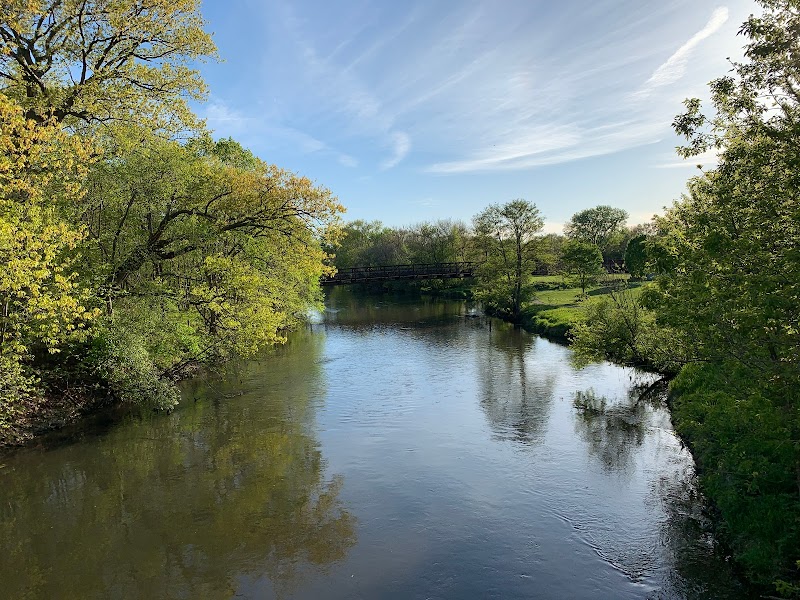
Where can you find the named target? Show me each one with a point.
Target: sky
(433, 109)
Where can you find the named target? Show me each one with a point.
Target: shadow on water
(187, 505)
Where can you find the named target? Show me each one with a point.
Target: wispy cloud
(347, 161)
(401, 145)
(476, 89)
(526, 149)
(225, 121)
(675, 66)
(574, 143)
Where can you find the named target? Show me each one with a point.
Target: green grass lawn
(554, 312)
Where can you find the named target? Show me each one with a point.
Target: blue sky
(425, 109)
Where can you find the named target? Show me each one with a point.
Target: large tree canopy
(596, 225)
(729, 254)
(207, 231)
(197, 250)
(103, 60)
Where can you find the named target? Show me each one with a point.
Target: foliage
(207, 237)
(596, 225)
(582, 260)
(366, 244)
(552, 246)
(127, 366)
(636, 256)
(508, 242)
(438, 242)
(42, 301)
(743, 446)
(729, 258)
(103, 60)
(199, 251)
(618, 327)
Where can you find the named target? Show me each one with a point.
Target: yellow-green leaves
(41, 301)
(227, 248)
(97, 61)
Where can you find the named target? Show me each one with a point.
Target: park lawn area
(554, 312)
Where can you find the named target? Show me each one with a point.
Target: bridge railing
(407, 271)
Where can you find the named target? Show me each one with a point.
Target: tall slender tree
(508, 238)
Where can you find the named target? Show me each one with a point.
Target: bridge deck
(449, 270)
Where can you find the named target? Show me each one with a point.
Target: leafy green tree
(93, 61)
(583, 261)
(507, 237)
(388, 247)
(636, 256)
(618, 327)
(437, 242)
(596, 226)
(552, 250)
(354, 242)
(205, 237)
(730, 262)
(43, 302)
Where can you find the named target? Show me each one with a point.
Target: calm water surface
(393, 450)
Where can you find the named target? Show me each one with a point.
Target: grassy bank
(557, 307)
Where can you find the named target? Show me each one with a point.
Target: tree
(552, 250)
(636, 256)
(584, 261)
(437, 242)
(507, 237)
(729, 259)
(388, 247)
(43, 302)
(103, 60)
(357, 237)
(207, 237)
(596, 225)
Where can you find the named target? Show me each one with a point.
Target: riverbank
(743, 447)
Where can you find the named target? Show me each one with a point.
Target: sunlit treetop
(92, 61)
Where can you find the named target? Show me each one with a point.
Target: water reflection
(612, 430)
(183, 506)
(516, 392)
(424, 411)
(620, 434)
(366, 313)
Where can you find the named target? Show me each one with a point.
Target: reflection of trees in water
(182, 506)
(701, 568)
(358, 311)
(615, 430)
(433, 321)
(515, 395)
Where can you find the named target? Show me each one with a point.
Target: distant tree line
(508, 242)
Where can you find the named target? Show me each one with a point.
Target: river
(394, 449)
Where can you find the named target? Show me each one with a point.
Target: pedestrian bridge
(450, 270)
